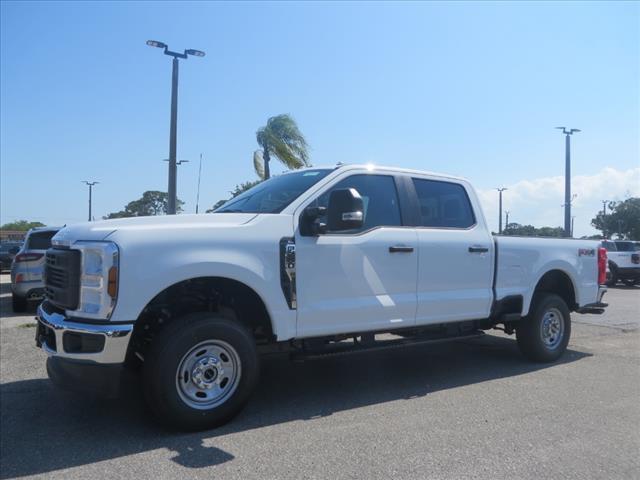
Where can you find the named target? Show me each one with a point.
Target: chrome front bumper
(116, 338)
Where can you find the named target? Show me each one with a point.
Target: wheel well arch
(231, 298)
(558, 282)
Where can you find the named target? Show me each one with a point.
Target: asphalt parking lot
(473, 409)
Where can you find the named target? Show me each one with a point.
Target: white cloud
(539, 202)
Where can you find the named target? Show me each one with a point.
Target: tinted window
(443, 204)
(609, 246)
(273, 195)
(626, 246)
(379, 197)
(40, 240)
(9, 248)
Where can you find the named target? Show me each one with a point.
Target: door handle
(400, 248)
(478, 249)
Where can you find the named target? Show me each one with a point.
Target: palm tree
(280, 138)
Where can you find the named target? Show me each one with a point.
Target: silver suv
(28, 266)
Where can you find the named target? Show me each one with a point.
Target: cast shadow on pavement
(43, 430)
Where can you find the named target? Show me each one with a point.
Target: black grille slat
(55, 277)
(62, 277)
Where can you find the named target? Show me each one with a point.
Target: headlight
(98, 279)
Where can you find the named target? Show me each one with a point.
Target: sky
(470, 89)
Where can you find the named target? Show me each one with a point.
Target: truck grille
(62, 277)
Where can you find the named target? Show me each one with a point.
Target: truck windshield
(273, 195)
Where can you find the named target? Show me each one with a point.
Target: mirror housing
(345, 211)
(310, 224)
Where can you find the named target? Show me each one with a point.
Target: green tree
(282, 139)
(623, 219)
(550, 232)
(151, 203)
(243, 187)
(531, 231)
(21, 225)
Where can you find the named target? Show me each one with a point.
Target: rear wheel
(18, 303)
(200, 371)
(543, 335)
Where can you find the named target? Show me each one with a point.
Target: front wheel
(543, 335)
(200, 371)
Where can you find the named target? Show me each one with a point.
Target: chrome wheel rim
(552, 328)
(208, 374)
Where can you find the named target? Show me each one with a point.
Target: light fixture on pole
(567, 179)
(90, 184)
(179, 162)
(173, 130)
(500, 190)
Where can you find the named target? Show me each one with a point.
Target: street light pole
(173, 133)
(567, 179)
(90, 184)
(604, 218)
(199, 175)
(173, 128)
(500, 190)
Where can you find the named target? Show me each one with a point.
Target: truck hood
(96, 231)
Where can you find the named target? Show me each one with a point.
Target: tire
(199, 372)
(535, 334)
(18, 303)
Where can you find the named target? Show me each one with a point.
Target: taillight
(635, 258)
(602, 266)
(28, 257)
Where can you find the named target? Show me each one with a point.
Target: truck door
(363, 279)
(456, 255)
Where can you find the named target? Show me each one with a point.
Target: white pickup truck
(624, 262)
(315, 262)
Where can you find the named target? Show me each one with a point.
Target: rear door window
(443, 204)
(625, 247)
(40, 240)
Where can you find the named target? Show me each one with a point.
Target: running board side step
(595, 308)
(346, 348)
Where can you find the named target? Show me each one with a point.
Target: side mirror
(310, 224)
(345, 210)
